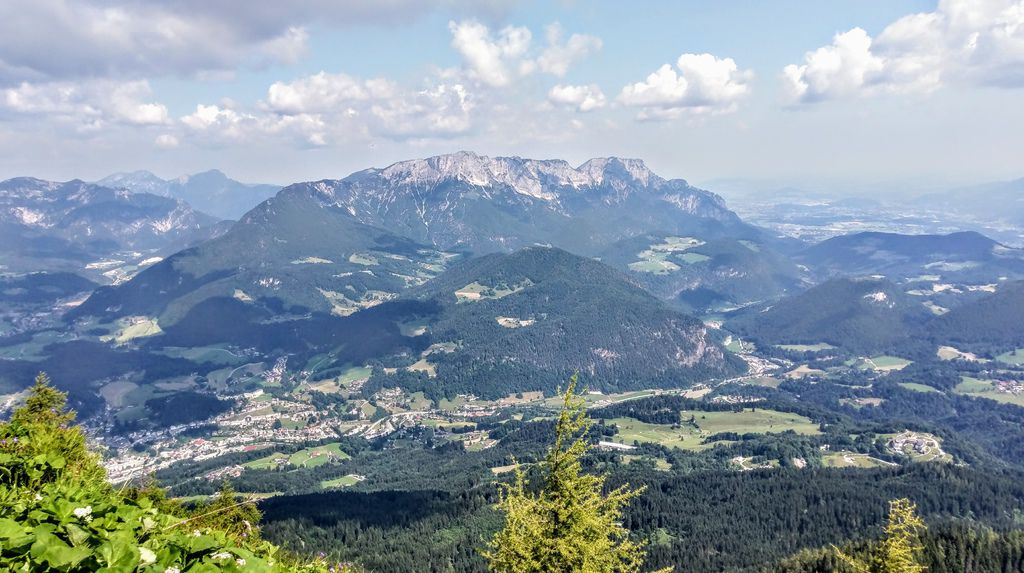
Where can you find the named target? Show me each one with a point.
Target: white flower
(240, 561)
(195, 533)
(83, 512)
(39, 497)
(146, 556)
(172, 570)
(221, 555)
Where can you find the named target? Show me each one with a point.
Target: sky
(851, 91)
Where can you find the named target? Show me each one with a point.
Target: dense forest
(709, 520)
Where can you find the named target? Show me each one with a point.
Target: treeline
(710, 521)
(947, 548)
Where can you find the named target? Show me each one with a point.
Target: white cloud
(166, 141)
(325, 109)
(126, 103)
(215, 124)
(702, 84)
(88, 104)
(493, 61)
(558, 56)
(582, 98)
(288, 48)
(439, 111)
(58, 39)
(325, 92)
(965, 41)
(500, 58)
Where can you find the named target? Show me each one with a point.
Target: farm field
(734, 344)
(1015, 357)
(659, 463)
(709, 423)
(208, 354)
(601, 400)
(846, 459)
(766, 381)
(499, 470)
(914, 386)
(343, 481)
(978, 388)
(882, 363)
(817, 347)
(33, 349)
(342, 381)
(115, 392)
(655, 259)
(308, 458)
(436, 423)
(950, 353)
(862, 402)
(475, 291)
(804, 370)
(693, 258)
(129, 329)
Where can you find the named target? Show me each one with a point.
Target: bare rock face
(482, 204)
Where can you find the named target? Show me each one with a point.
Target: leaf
(59, 555)
(118, 554)
(76, 534)
(9, 528)
(201, 543)
(13, 534)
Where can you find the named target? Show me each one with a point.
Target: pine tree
(226, 512)
(45, 405)
(41, 427)
(568, 526)
(900, 550)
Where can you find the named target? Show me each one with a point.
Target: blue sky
(787, 91)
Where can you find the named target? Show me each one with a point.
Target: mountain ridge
(210, 191)
(51, 225)
(473, 202)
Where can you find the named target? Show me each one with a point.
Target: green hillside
(528, 320)
(864, 316)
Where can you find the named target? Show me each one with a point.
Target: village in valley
(288, 411)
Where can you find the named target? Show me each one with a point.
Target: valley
(448, 286)
(331, 343)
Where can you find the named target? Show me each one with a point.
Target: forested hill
(994, 320)
(530, 319)
(857, 315)
(957, 254)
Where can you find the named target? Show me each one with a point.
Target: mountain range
(52, 226)
(211, 191)
(482, 204)
(336, 246)
(469, 274)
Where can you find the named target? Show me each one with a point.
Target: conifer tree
(226, 512)
(568, 526)
(45, 405)
(900, 550)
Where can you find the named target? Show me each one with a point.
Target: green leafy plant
(58, 513)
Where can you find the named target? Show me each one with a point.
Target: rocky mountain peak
(541, 179)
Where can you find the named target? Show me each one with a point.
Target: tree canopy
(569, 525)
